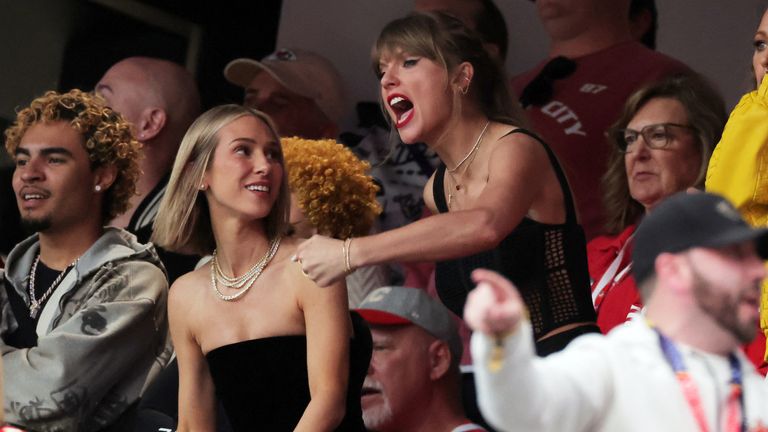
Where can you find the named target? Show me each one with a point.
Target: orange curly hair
(108, 139)
(332, 186)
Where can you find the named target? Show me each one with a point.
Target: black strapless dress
(263, 384)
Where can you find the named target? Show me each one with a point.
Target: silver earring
(97, 188)
(202, 187)
(465, 89)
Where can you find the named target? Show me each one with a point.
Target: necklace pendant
(33, 307)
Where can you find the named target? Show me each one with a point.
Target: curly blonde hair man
(107, 139)
(331, 187)
(80, 297)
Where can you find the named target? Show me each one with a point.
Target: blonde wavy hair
(332, 186)
(107, 139)
(183, 220)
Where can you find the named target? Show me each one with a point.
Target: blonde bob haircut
(183, 221)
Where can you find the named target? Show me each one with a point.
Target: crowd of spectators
(585, 241)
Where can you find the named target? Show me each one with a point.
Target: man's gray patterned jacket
(102, 336)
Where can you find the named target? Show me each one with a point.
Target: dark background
(102, 35)
(230, 29)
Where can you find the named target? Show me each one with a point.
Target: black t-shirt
(25, 336)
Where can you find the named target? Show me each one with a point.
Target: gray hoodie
(102, 336)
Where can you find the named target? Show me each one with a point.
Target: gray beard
(375, 418)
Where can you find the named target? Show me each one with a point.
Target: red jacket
(620, 297)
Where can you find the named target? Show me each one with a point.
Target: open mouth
(258, 188)
(29, 201)
(29, 195)
(32, 196)
(402, 107)
(369, 391)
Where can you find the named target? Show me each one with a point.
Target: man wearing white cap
(300, 90)
(413, 382)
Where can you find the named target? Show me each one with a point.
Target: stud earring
(202, 187)
(97, 188)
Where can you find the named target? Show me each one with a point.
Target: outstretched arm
(514, 181)
(517, 390)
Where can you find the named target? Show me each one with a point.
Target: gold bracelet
(496, 359)
(346, 248)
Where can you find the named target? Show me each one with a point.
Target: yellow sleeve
(764, 313)
(738, 168)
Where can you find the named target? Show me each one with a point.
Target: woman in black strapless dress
(249, 327)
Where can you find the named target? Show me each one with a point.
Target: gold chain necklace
(244, 282)
(472, 153)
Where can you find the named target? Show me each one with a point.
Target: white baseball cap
(300, 71)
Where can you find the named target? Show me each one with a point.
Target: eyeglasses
(539, 90)
(656, 136)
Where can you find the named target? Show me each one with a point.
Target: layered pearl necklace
(471, 153)
(242, 283)
(36, 303)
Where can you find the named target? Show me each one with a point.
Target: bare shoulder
(288, 245)
(305, 288)
(510, 134)
(186, 289)
(520, 146)
(289, 271)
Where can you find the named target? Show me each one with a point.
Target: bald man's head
(158, 97)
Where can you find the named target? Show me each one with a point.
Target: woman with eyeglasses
(661, 145)
(500, 199)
